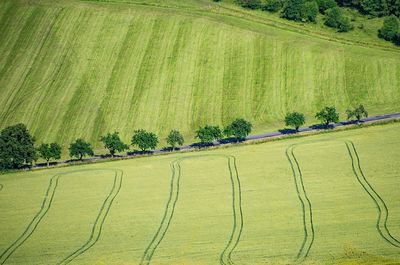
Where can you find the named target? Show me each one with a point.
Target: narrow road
(390, 116)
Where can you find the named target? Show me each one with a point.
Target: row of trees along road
(17, 145)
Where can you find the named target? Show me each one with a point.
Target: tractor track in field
(225, 256)
(305, 205)
(46, 204)
(309, 235)
(101, 217)
(383, 211)
(34, 222)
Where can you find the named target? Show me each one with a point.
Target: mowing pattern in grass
(309, 234)
(225, 257)
(84, 69)
(50, 193)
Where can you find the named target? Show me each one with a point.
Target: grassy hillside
(110, 213)
(80, 69)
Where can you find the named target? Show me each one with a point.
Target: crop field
(326, 199)
(72, 69)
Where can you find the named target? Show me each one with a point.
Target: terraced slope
(81, 68)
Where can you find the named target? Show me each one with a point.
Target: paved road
(248, 138)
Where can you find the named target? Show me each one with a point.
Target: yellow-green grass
(73, 69)
(271, 231)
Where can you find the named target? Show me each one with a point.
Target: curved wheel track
(383, 211)
(305, 205)
(225, 256)
(46, 204)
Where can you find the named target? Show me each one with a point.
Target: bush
(389, 29)
(335, 19)
(344, 24)
(294, 10)
(273, 5)
(252, 4)
(326, 4)
(310, 11)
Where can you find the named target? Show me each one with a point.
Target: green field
(73, 69)
(326, 199)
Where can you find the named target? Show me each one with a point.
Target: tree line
(17, 145)
(308, 10)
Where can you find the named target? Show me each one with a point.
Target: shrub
(389, 29)
(310, 11)
(252, 4)
(335, 19)
(273, 5)
(325, 5)
(294, 10)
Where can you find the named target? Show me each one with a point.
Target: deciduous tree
(144, 140)
(239, 128)
(49, 151)
(208, 134)
(175, 138)
(113, 143)
(327, 115)
(16, 147)
(295, 119)
(80, 148)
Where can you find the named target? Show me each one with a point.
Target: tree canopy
(174, 138)
(80, 148)
(389, 29)
(49, 151)
(327, 115)
(357, 112)
(208, 134)
(336, 19)
(16, 147)
(144, 140)
(113, 143)
(239, 128)
(294, 119)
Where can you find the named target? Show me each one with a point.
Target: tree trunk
(48, 163)
(80, 157)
